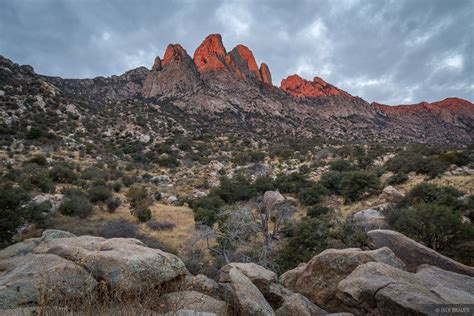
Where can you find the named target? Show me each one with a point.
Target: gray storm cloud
(387, 51)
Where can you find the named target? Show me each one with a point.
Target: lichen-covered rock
(30, 279)
(319, 279)
(195, 301)
(299, 305)
(414, 254)
(391, 195)
(380, 289)
(243, 295)
(27, 246)
(124, 263)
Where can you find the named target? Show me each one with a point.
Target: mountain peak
(265, 74)
(174, 52)
(299, 87)
(242, 62)
(210, 55)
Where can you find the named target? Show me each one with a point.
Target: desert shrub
(341, 166)
(309, 239)
(331, 180)
(318, 210)
(291, 183)
(93, 173)
(168, 161)
(313, 194)
(119, 228)
(239, 188)
(248, 156)
(157, 225)
(36, 132)
(204, 216)
(39, 160)
(433, 194)
(355, 184)
(117, 186)
(459, 158)
(157, 196)
(140, 201)
(432, 167)
(76, 205)
(437, 226)
(263, 184)
(397, 178)
(36, 177)
(143, 214)
(99, 193)
(113, 203)
(404, 162)
(63, 173)
(11, 200)
(206, 209)
(34, 212)
(129, 180)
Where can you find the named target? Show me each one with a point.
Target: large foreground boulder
(414, 254)
(45, 279)
(243, 295)
(125, 264)
(321, 275)
(379, 289)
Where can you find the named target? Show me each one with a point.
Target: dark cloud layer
(392, 51)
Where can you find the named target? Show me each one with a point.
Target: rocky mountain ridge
(230, 93)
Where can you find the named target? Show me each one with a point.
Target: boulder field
(57, 269)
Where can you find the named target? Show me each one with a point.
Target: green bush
(397, 178)
(291, 183)
(318, 210)
(239, 188)
(143, 214)
(459, 158)
(205, 216)
(355, 184)
(437, 226)
(11, 214)
(112, 204)
(63, 173)
(433, 194)
(99, 193)
(76, 205)
(263, 184)
(313, 194)
(341, 166)
(39, 160)
(331, 180)
(169, 161)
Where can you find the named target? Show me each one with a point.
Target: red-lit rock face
(157, 64)
(210, 55)
(174, 52)
(297, 86)
(453, 104)
(249, 63)
(265, 74)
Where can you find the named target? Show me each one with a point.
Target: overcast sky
(399, 51)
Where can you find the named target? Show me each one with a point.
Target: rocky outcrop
(369, 219)
(175, 75)
(125, 264)
(391, 195)
(318, 281)
(272, 199)
(376, 288)
(243, 64)
(44, 278)
(299, 87)
(210, 55)
(243, 295)
(192, 301)
(265, 74)
(299, 305)
(414, 254)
